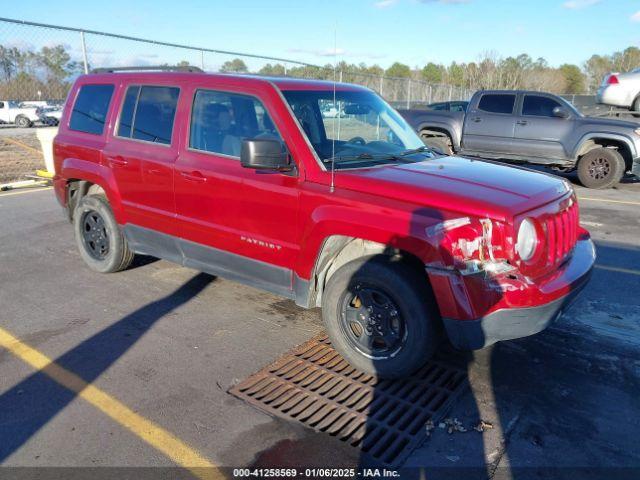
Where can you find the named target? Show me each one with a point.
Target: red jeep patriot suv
(323, 194)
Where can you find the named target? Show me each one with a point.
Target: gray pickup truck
(534, 127)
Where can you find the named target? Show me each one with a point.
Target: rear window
(497, 103)
(90, 110)
(148, 113)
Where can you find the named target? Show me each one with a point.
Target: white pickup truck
(12, 112)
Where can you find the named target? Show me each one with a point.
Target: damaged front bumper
(524, 307)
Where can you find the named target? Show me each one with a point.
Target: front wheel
(601, 168)
(98, 236)
(380, 316)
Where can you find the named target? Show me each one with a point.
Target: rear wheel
(101, 243)
(22, 121)
(380, 315)
(601, 168)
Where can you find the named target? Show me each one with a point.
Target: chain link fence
(38, 63)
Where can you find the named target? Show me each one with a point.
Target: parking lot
(133, 369)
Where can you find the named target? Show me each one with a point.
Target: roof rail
(162, 68)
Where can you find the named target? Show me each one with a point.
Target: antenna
(333, 135)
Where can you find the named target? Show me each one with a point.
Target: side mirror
(265, 154)
(561, 112)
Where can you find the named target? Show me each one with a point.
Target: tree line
(490, 71)
(50, 71)
(25, 72)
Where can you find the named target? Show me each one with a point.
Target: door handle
(117, 161)
(521, 122)
(477, 119)
(194, 176)
(154, 171)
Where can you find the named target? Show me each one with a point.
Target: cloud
(339, 52)
(327, 52)
(385, 3)
(446, 2)
(579, 4)
(635, 17)
(389, 3)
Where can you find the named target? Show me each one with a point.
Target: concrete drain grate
(385, 419)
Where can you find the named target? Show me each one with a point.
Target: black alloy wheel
(372, 322)
(95, 235)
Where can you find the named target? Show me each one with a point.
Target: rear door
(142, 154)
(489, 125)
(538, 133)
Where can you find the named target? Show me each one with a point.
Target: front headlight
(527, 240)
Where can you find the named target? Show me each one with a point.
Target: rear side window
(90, 110)
(538, 106)
(497, 103)
(148, 113)
(220, 121)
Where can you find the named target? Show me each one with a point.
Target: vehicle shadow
(32, 403)
(494, 374)
(565, 386)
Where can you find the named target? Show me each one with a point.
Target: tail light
(612, 80)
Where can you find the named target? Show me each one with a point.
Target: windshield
(357, 130)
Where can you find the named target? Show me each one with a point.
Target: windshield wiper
(422, 149)
(362, 156)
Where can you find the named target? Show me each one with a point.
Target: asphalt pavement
(158, 346)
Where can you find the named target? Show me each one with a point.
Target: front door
(489, 125)
(234, 221)
(538, 132)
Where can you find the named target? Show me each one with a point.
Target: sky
(371, 31)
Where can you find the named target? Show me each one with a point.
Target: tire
(443, 144)
(601, 168)
(98, 237)
(23, 122)
(635, 107)
(389, 287)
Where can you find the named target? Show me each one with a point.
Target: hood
(474, 187)
(608, 122)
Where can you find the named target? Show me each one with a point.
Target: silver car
(621, 90)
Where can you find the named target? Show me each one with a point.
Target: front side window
(496, 103)
(148, 113)
(358, 129)
(220, 121)
(539, 106)
(90, 109)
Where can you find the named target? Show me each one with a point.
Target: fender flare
(77, 169)
(448, 129)
(605, 135)
(406, 234)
